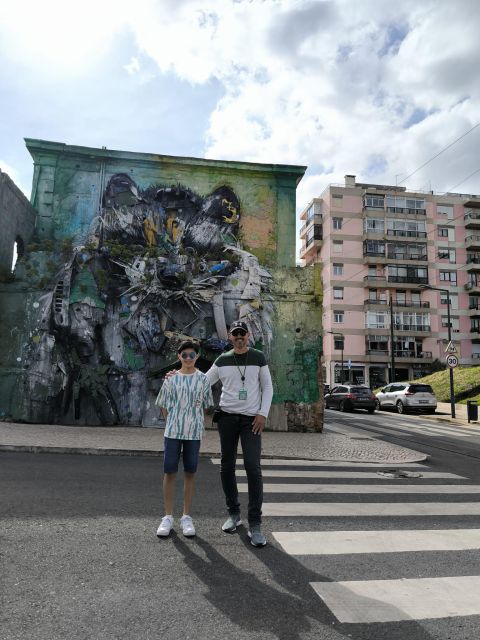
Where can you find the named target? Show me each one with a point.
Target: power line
(439, 153)
(462, 181)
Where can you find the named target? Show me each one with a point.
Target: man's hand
(171, 373)
(258, 424)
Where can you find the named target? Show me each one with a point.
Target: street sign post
(451, 348)
(452, 360)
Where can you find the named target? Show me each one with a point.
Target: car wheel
(377, 405)
(401, 407)
(343, 406)
(371, 410)
(431, 411)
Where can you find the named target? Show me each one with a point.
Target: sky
(372, 88)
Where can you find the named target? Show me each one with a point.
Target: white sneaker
(187, 526)
(165, 527)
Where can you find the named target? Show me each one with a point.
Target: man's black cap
(238, 324)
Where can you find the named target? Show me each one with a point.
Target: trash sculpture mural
(128, 259)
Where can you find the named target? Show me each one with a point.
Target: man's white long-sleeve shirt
(250, 396)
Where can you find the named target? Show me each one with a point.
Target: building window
(453, 299)
(444, 253)
(374, 202)
(448, 276)
(337, 196)
(337, 223)
(454, 323)
(374, 225)
(338, 293)
(338, 343)
(338, 317)
(445, 210)
(337, 269)
(338, 246)
(443, 232)
(375, 320)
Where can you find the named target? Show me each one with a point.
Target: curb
(89, 451)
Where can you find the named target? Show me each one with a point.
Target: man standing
(244, 405)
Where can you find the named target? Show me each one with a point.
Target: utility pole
(450, 369)
(392, 348)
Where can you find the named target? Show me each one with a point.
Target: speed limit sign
(452, 360)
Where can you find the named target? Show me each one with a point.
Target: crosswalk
(406, 427)
(330, 496)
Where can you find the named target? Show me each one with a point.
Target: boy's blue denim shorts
(172, 450)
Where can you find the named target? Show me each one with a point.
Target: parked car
(326, 388)
(407, 396)
(347, 397)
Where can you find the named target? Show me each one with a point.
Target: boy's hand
(171, 373)
(258, 424)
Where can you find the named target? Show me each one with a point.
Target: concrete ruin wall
(18, 223)
(132, 253)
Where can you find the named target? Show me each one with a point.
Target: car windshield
(420, 388)
(360, 390)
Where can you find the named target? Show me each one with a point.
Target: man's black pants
(231, 428)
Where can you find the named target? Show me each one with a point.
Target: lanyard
(242, 375)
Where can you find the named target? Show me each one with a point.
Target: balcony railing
(374, 254)
(476, 356)
(475, 259)
(374, 278)
(421, 212)
(376, 301)
(407, 303)
(472, 240)
(410, 327)
(409, 353)
(408, 279)
(377, 352)
(403, 233)
(406, 256)
(472, 218)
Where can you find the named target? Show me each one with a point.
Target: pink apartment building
(380, 246)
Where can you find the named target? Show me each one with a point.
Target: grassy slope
(464, 378)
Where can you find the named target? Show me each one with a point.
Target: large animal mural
(154, 266)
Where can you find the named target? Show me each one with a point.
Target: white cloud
(372, 88)
(13, 175)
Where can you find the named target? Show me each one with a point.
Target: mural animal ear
(223, 205)
(121, 190)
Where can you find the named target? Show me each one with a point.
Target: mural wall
(108, 291)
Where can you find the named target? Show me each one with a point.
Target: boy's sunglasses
(185, 355)
(239, 332)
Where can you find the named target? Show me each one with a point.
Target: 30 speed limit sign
(452, 360)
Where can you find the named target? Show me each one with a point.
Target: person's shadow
(258, 607)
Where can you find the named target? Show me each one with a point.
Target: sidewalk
(149, 441)
(444, 415)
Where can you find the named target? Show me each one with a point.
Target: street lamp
(336, 333)
(452, 392)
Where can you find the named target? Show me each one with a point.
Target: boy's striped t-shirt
(185, 396)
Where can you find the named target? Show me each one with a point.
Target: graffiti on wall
(156, 265)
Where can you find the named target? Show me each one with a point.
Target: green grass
(464, 378)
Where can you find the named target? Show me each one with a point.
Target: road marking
(303, 488)
(281, 462)
(429, 429)
(341, 542)
(372, 509)
(367, 475)
(367, 601)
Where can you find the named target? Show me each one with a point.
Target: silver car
(407, 396)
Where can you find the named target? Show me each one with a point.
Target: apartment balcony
(473, 242)
(412, 328)
(473, 286)
(473, 262)
(407, 282)
(376, 302)
(475, 356)
(472, 219)
(311, 245)
(316, 219)
(404, 304)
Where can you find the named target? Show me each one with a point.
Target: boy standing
(183, 398)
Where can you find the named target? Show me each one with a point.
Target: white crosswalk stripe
(348, 475)
(282, 462)
(378, 600)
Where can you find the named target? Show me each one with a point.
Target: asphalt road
(80, 559)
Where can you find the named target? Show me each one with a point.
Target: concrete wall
(17, 221)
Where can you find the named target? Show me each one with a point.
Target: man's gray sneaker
(231, 523)
(256, 536)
